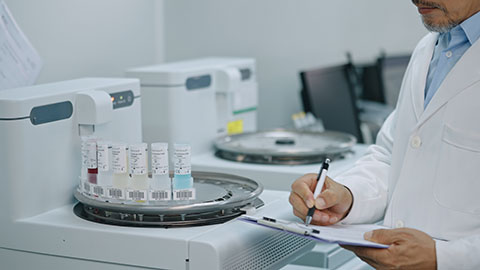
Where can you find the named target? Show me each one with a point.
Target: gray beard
(440, 28)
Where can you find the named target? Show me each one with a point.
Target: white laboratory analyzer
(211, 103)
(197, 100)
(46, 223)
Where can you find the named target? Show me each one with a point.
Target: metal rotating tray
(219, 197)
(286, 147)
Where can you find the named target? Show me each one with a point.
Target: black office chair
(328, 94)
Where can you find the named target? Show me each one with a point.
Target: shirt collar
(471, 27)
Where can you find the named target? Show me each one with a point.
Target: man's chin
(438, 27)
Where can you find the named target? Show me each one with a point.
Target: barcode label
(160, 195)
(98, 190)
(86, 188)
(116, 193)
(136, 195)
(184, 194)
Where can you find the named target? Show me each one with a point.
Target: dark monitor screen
(327, 94)
(381, 81)
(392, 71)
(372, 88)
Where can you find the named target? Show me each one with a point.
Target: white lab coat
(424, 170)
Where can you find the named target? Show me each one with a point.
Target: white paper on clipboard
(339, 234)
(20, 63)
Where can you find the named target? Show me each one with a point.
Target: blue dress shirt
(449, 49)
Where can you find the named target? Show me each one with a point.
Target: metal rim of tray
(277, 150)
(239, 191)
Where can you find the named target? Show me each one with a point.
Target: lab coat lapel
(419, 73)
(465, 73)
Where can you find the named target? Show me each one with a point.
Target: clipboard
(351, 235)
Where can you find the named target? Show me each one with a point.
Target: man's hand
(331, 205)
(409, 249)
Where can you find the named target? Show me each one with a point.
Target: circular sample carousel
(219, 198)
(284, 147)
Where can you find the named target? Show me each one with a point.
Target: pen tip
(308, 220)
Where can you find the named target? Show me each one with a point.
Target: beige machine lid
(284, 146)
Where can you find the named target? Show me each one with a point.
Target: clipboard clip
(286, 226)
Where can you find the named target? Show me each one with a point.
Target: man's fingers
(318, 218)
(326, 199)
(298, 203)
(303, 188)
(298, 214)
(324, 218)
(385, 236)
(370, 254)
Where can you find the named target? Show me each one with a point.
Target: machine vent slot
(271, 253)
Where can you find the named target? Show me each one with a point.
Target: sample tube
(138, 166)
(92, 165)
(160, 174)
(84, 185)
(83, 171)
(105, 172)
(120, 166)
(182, 178)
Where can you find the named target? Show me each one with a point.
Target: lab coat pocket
(457, 183)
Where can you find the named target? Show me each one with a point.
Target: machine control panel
(122, 99)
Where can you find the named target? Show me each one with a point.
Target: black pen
(322, 174)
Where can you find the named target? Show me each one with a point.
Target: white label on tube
(159, 158)
(103, 158)
(160, 195)
(91, 147)
(84, 153)
(119, 159)
(182, 159)
(116, 193)
(136, 195)
(98, 190)
(86, 188)
(184, 194)
(138, 159)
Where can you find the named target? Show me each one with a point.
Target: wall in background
(286, 36)
(159, 29)
(79, 38)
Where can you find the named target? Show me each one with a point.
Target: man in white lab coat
(423, 173)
